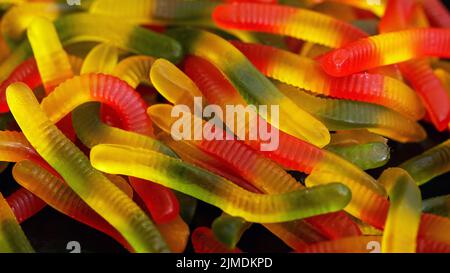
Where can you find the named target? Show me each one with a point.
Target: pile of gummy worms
(88, 95)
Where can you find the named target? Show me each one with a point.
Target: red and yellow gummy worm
(383, 49)
(283, 20)
(307, 74)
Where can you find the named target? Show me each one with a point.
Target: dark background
(50, 231)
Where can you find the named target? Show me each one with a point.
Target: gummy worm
(60, 196)
(307, 74)
(103, 88)
(344, 115)
(134, 70)
(403, 220)
(93, 187)
(216, 190)
(383, 49)
(251, 84)
(283, 20)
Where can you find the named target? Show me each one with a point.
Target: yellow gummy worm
(217, 191)
(402, 223)
(92, 186)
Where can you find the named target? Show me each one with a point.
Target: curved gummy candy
(173, 84)
(383, 50)
(251, 84)
(298, 23)
(203, 241)
(437, 205)
(344, 115)
(93, 187)
(60, 196)
(431, 163)
(402, 223)
(307, 74)
(103, 88)
(216, 190)
(12, 238)
(24, 204)
(134, 70)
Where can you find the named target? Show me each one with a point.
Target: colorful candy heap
(92, 99)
